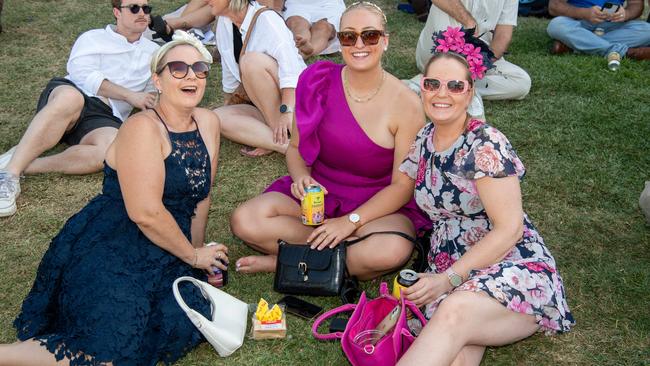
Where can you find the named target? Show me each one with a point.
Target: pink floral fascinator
(478, 54)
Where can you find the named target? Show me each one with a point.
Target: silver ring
(219, 255)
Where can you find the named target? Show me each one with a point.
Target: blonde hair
(371, 7)
(179, 38)
(238, 5)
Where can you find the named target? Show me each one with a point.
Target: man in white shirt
(108, 75)
(270, 68)
(494, 21)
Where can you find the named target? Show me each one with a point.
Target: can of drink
(406, 278)
(219, 277)
(313, 206)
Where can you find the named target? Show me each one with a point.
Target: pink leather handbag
(362, 343)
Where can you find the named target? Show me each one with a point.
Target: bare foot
(256, 263)
(304, 46)
(253, 153)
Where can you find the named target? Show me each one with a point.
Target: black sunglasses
(180, 69)
(135, 8)
(369, 37)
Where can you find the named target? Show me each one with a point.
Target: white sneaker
(6, 157)
(9, 191)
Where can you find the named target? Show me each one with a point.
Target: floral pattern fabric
(526, 280)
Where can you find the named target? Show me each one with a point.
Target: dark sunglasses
(179, 69)
(369, 37)
(135, 8)
(453, 86)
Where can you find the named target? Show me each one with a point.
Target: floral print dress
(526, 280)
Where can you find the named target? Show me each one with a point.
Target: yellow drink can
(313, 206)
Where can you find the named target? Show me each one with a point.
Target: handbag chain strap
(416, 243)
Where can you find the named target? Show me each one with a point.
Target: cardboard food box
(272, 330)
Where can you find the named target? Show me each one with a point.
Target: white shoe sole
(8, 211)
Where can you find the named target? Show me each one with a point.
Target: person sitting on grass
(493, 22)
(103, 292)
(491, 279)
(108, 75)
(260, 65)
(197, 14)
(591, 26)
(314, 24)
(354, 123)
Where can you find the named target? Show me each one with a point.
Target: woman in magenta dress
(353, 126)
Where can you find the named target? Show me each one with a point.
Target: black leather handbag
(301, 270)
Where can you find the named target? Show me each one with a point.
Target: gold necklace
(363, 99)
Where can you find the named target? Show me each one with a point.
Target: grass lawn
(583, 134)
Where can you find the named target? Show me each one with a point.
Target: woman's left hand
(331, 232)
(428, 288)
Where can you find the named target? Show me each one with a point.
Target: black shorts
(95, 113)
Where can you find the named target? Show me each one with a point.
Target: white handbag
(227, 329)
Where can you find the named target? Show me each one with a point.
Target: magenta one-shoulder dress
(351, 166)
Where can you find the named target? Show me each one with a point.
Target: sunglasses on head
(369, 37)
(453, 86)
(180, 69)
(135, 8)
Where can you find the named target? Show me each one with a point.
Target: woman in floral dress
(491, 280)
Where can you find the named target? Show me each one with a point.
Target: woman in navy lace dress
(103, 291)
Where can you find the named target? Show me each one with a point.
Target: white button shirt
(270, 36)
(103, 54)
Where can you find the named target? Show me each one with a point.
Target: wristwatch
(285, 109)
(355, 219)
(454, 278)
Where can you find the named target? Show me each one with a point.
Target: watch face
(455, 280)
(354, 218)
(283, 108)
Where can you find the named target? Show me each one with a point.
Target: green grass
(582, 133)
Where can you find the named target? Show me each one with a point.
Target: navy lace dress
(103, 291)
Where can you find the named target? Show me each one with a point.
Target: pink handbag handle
(327, 315)
(383, 289)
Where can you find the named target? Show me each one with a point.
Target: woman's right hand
(299, 186)
(211, 256)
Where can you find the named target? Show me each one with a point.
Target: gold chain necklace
(364, 99)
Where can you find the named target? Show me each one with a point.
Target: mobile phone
(610, 8)
(338, 324)
(300, 307)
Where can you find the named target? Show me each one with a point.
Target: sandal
(159, 25)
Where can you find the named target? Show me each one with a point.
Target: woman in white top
(268, 72)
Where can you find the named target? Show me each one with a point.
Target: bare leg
(260, 222)
(462, 319)
(28, 353)
(194, 5)
(244, 124)
(259, 74)
(300, 28)
(85, 158)
(197, 18)
(321, 34)
(47, 127)
(469, 356)
(381, 253)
